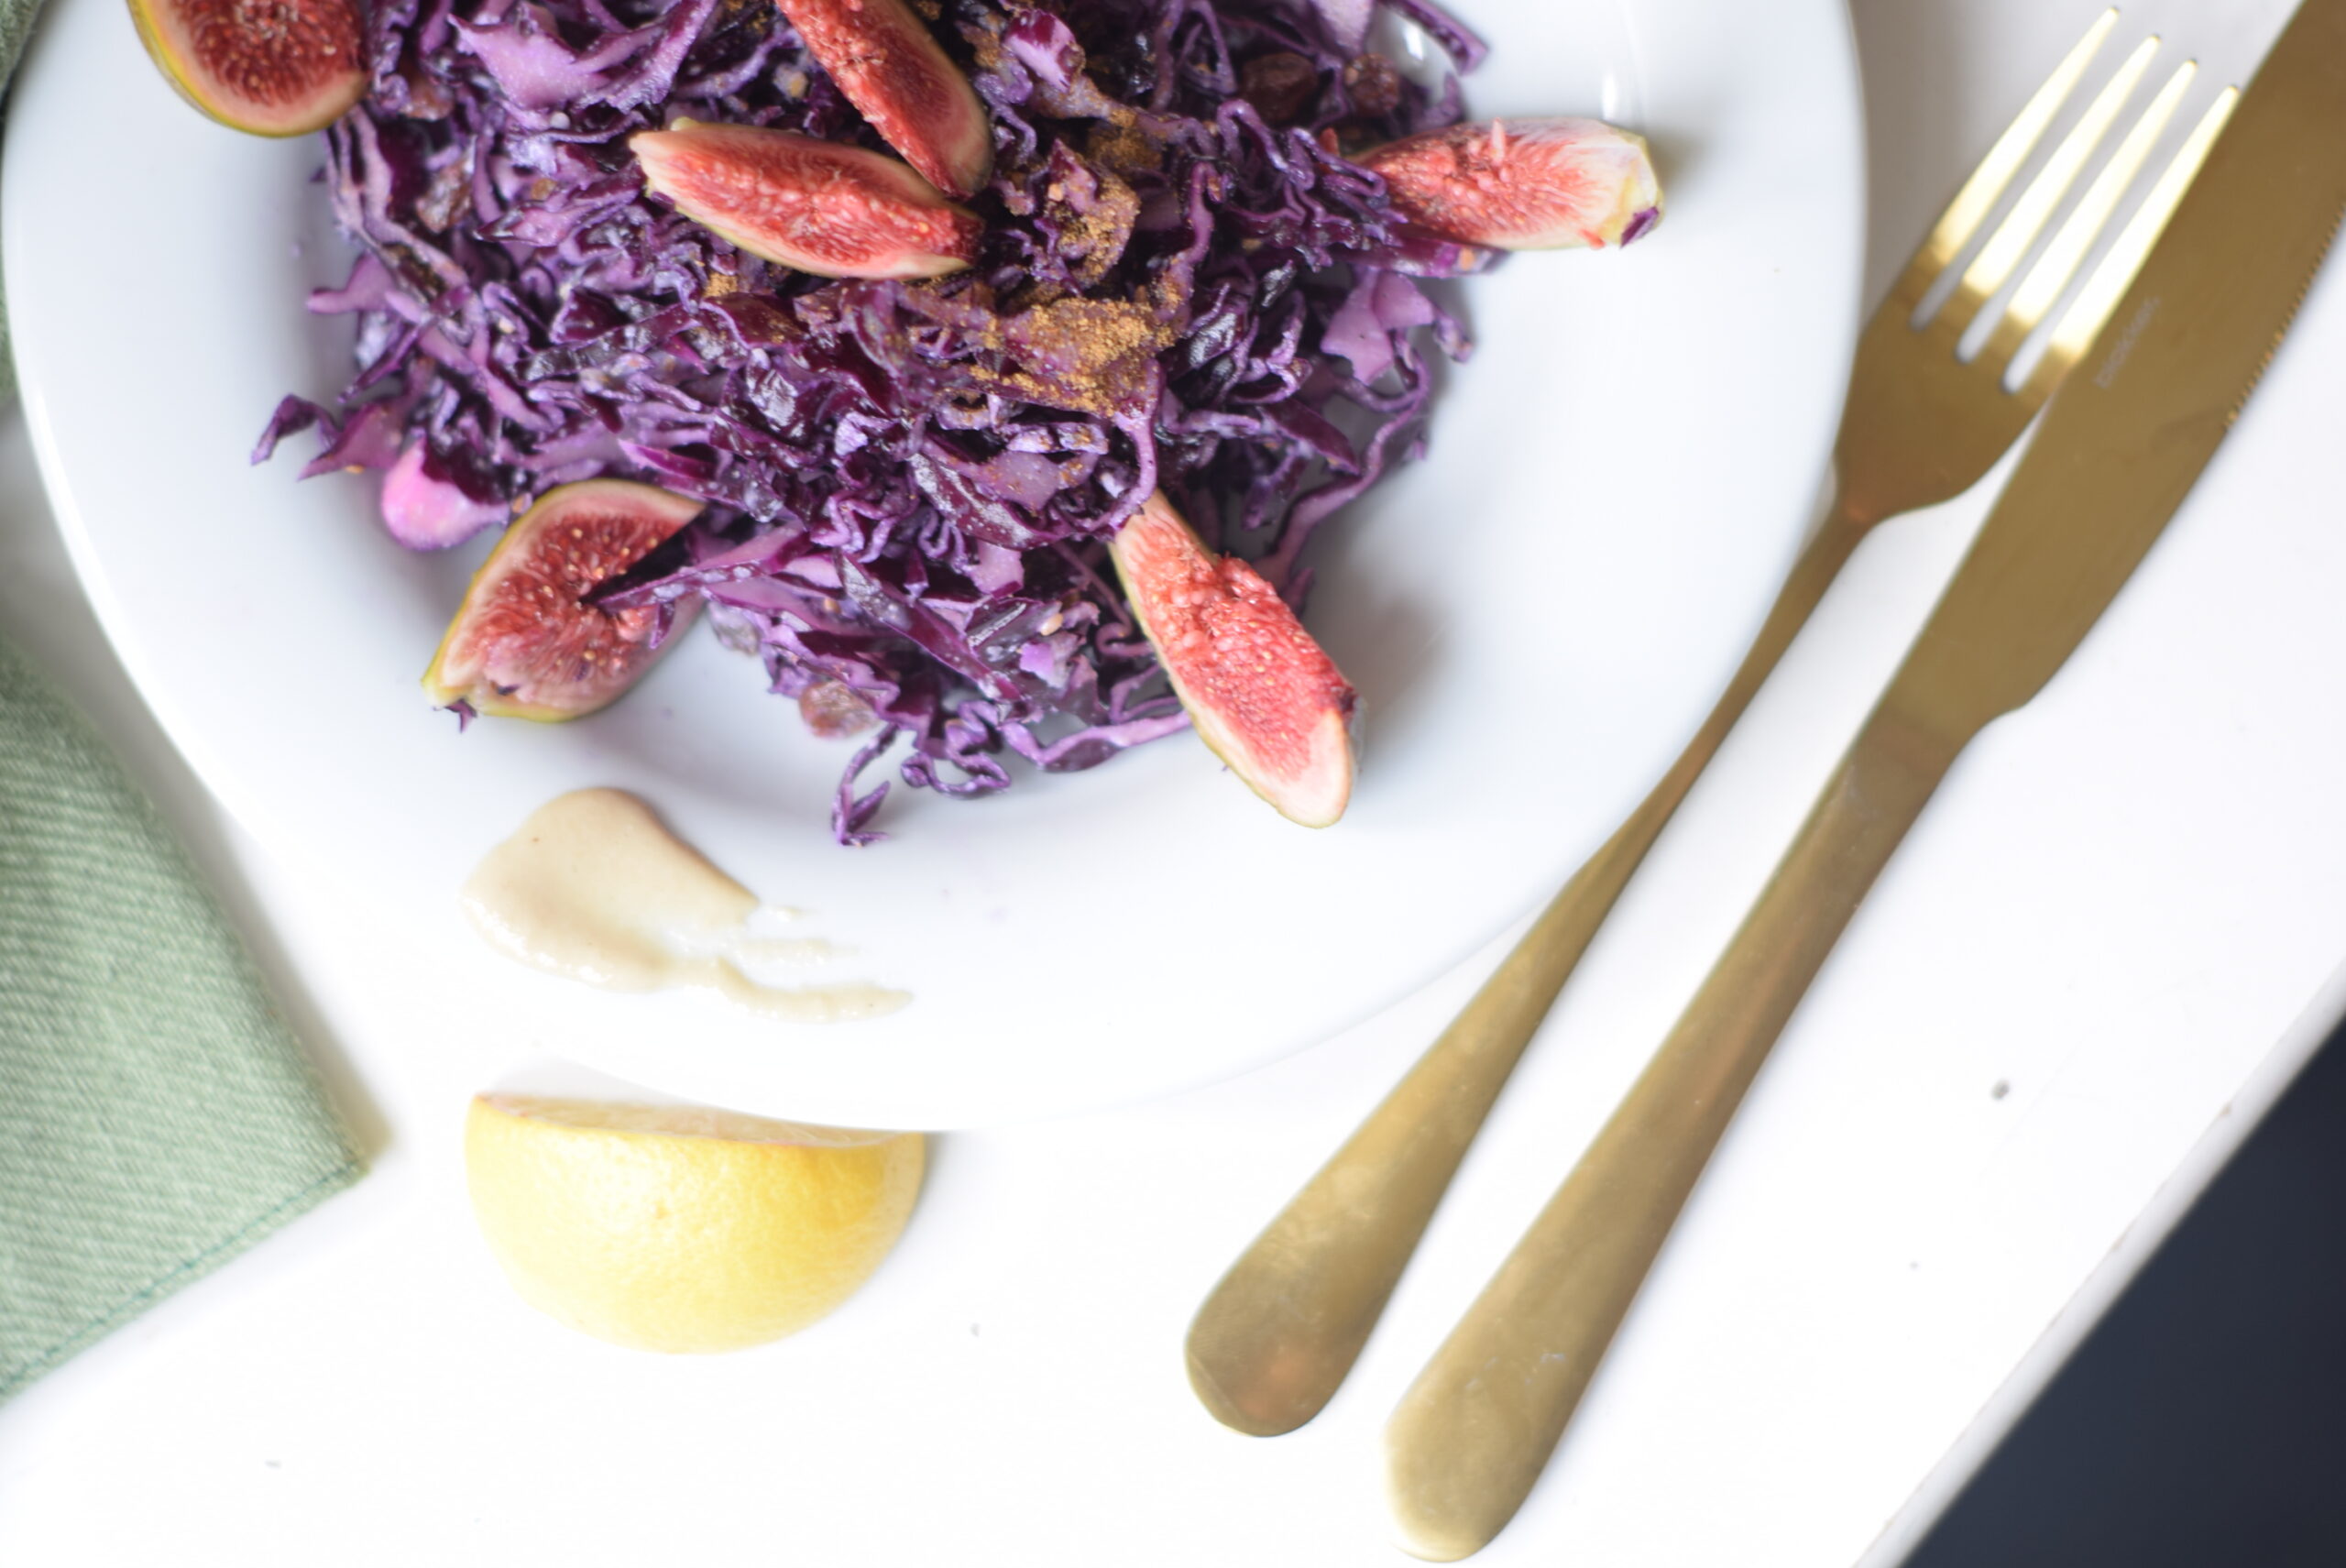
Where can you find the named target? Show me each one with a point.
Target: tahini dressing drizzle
(594, 888)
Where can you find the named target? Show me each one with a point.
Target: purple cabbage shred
(910, 486)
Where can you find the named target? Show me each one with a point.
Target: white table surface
(2108, 943)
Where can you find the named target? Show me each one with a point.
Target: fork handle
(1475, 1429)
(1269, 1346)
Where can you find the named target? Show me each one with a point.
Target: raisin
(834, 711)
(1278, 86)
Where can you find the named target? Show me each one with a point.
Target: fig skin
(1263, 696)
(270, 68)
(819, 206)
(889, 65)
(524, 643)
(1523, 184)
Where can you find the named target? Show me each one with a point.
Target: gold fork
(1922, 424)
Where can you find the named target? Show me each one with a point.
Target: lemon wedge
(683, 1228)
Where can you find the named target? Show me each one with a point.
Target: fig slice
(819, 206)
(891, 68)
(275, 68)
(1263, 694)
(525, 643)
(1529, 184)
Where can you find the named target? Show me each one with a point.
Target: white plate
(1537, 615)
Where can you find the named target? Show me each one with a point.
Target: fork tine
(2002, 255)
(2109, 280)
(2042, 287)
(1986, 186)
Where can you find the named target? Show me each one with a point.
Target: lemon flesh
(679, 1228)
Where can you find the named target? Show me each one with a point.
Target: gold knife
(2120, 447)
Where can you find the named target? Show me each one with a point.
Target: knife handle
(1474, 1431)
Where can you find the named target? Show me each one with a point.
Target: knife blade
(2130, 432)
(2118, 449)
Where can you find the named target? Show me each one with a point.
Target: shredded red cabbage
(1185, 284)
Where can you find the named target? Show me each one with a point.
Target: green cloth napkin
(156, 1116)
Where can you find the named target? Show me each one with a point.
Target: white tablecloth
(2107, 947)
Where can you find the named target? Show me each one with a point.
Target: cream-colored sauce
(594, 888)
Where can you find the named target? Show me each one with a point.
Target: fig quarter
(892, 68)
(1264, 696)
(525, 643)
(1523, 184)
(275, 68)
(819, 206)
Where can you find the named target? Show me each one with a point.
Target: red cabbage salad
(1185, 283)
